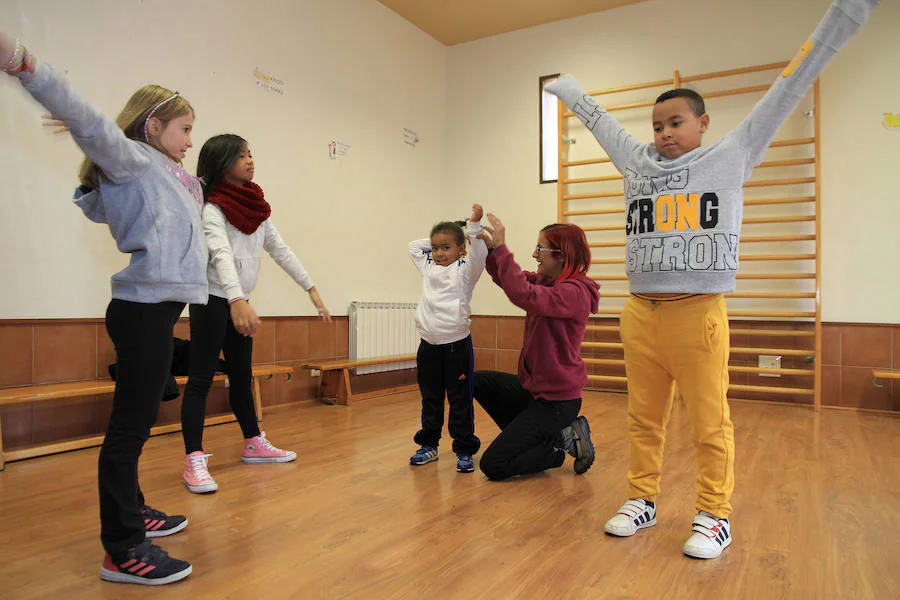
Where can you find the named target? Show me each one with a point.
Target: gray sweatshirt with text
(683, 215)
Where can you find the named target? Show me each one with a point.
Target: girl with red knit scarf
(237, 227)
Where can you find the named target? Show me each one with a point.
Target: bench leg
(334, 387)
(327, 389)
(2, 459)
(257, 399)
(344, 393)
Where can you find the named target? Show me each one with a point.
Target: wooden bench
(334, 382)
(75, 389)
(884, 374)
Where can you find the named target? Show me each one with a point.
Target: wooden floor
(817, 515)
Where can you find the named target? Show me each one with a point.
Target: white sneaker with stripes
(709, 537)
(634, 514)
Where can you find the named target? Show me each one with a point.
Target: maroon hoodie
(550, 365)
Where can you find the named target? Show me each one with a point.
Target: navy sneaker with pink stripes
(145, 564)
(159, 524)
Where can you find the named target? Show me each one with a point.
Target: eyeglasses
(539, 249)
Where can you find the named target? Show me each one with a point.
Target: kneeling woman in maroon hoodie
(537, 410)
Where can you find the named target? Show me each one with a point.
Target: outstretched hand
(324, 315)
(477, 213)
(551, 87)
(58, 125)
(7, 47)
(14, 57)
(496, 231)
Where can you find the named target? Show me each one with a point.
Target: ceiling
(457, 21)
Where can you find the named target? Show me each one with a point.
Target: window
(549, 131)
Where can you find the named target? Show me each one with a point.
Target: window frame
(542, 81)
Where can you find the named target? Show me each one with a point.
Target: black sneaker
(144, 564)
(584, 448)
(159, 524)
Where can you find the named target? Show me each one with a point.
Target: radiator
(379, 329)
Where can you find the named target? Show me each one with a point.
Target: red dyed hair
(573, 248)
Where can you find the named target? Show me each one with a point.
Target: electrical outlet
(768, 361)
(315, 373)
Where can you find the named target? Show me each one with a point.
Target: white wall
(860, 156)
(352, 70)
(492, 111)
(356, 71)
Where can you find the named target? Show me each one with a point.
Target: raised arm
(98, 137)
(477, 248)
(420, 253)
(616, 142)
(565, 300)
(842, 20)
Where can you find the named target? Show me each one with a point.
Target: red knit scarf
(243, 205)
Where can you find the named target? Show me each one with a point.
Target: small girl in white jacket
(445, 360)
(237, 227)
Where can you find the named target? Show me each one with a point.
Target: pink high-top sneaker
(259, 450)
(196, 474)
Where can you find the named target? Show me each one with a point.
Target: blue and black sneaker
(464, 463)
(424, 455)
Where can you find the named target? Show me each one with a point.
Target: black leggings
(212, 331)
(530, 439)
(142, 336)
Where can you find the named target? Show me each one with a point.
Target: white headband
(155, 108)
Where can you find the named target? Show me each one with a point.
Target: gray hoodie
(151, 204)
(683, 215)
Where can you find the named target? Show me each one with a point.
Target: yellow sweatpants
(683, 342)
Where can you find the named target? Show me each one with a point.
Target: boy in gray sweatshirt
(684, 206)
